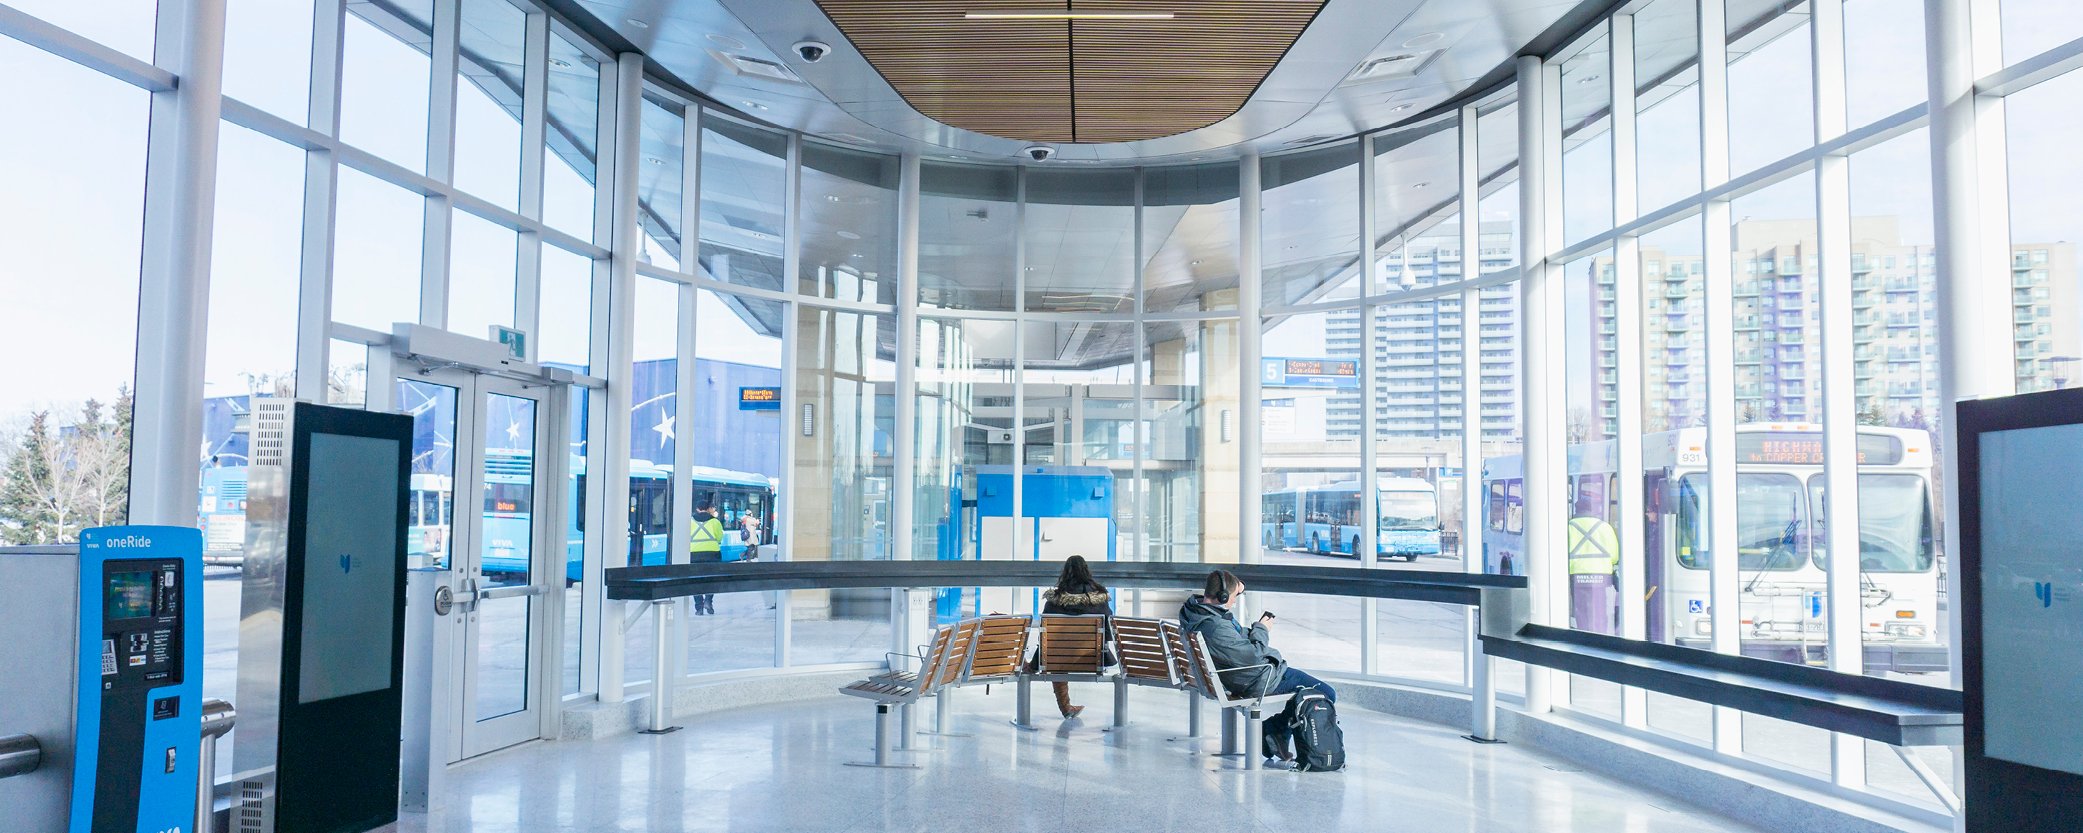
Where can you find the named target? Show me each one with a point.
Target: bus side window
(1515, 509)
(1497, 506)
(578, 502)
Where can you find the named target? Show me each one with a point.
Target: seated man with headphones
(1231, 645)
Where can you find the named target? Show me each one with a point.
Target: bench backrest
(996, 648)
(1187, 652)
(1206, 680)
(1072, 644)
(934, 672)
(1141, 645)
(961, 637)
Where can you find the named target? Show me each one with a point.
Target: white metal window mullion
(627, 133)
(1724, 609)
(174, 274)
(600, 363)
(321, 181)
(1477, 670)
(1540, 193)
(1630, 357)
(90, 53)
(1839, 403)
(1250, 343)
(1019, 421)
(908, 626)
(1370, 482)
(437, 220)
(791, 344)
(535, 73)
(1145, 364)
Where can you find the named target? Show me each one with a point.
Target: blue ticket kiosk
(138, 731)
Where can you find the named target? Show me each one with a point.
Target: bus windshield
(1770, 520)
(1895, 534)
(1408, 510)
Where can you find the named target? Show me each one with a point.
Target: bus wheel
(1411, 558)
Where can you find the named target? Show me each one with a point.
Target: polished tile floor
(778, 768)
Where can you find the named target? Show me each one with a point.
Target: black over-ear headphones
(1220, 583)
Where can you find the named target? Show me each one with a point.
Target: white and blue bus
(1327, 519)
(1781, 559)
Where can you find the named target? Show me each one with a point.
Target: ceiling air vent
(1399, 65)
(755, 67)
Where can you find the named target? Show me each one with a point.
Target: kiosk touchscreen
(2021, 626)
(138, 724)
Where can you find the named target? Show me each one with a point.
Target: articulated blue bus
(735, 494)
(1327, 519)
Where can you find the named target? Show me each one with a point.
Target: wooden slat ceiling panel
(1074, 80)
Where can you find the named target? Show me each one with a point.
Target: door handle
(518, 590)
(466, 599)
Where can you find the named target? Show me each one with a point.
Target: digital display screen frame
(128, 594)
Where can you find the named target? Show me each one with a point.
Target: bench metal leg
(1254, 738)
(1193, 719)
(1229, 733)
(1023, 698)
(1120, 704)
(940, 714)
(882, 742)
(907, 736)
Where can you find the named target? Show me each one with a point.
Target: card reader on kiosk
(138, 725)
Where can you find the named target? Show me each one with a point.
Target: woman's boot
(1063, 700)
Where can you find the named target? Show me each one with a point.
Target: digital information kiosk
(104, 668)
(2021, 610)
(322, 620)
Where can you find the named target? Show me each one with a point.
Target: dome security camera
(1041, 153)
(812, 51)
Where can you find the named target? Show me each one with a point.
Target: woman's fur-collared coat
(1090, 603)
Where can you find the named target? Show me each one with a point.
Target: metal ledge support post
(662, 676)
(1482, 701)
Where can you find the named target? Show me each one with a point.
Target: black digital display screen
(129, 595)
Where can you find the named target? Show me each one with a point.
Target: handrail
(19, 755)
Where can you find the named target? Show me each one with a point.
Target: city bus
(1327, 519)
(1781, 553)
(735, 494)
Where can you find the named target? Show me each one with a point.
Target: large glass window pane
(480, 275)
(2031, 27)
(1188, 496)
(565, 336)
(571, 131)
(967, 236)
(963, 422)
(488, 100)
(376, 252)
(849, 216)
(1771, 84)
(1587, 141)
(578, 525)
(1312, 506)
(840, 497)
(1190, 237)
(126, 25)
(267, 55)
(1310, 225)
(1667, 103)
(1079, 389)
(1674, 420)
(660, 181)
(383, 81)
(1883, 58)
(2045, 171)
(1080, 239)
(1417, 204)
(653, 436)
(744, 188)
(737, 436)
(70, 240)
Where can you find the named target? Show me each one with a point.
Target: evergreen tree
(25, 516)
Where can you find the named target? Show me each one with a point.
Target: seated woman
(1233, 646)
(1076, 593)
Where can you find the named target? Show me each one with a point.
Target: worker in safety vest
(705, 543)
(1594, 565)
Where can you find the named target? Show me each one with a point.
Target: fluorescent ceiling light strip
(1067, 16)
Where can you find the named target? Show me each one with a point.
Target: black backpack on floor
(1313, 723)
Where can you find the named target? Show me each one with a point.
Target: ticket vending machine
(104, 669)
(322, 620)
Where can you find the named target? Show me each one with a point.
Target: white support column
(613, 448)
(1019, 422)
(321, 180)
(684, 378)
(1541, 296)
(601, 323)
(1139, 531)
(1719, 280)
(791, 345)
(1476, 668)
(174, 284)
(535, 70)
(1628, 325)
(441, 164)
(1250, 331)
(911, 624)
(1839, 405)
(1370, 463)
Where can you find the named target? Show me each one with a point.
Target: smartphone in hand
(1267, 616)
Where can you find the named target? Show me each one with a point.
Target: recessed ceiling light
(848, 235)
(1067, 15)
(560, 63)
(1424, 40)
(637, 23)
(1587, 79)
(1196, 263)
(831, 198)
(1419, 184)
(654, 160)
(1401, 107)
(726, 41)
(754, 105)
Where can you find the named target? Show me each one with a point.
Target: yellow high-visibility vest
(707, 537)
(1594, 548)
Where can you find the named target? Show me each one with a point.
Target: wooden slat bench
(1070, 649)
(901, 689)
(1207, 682)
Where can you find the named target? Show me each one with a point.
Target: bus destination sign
(1309, 373)
(759, 399)
(1805, 448)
